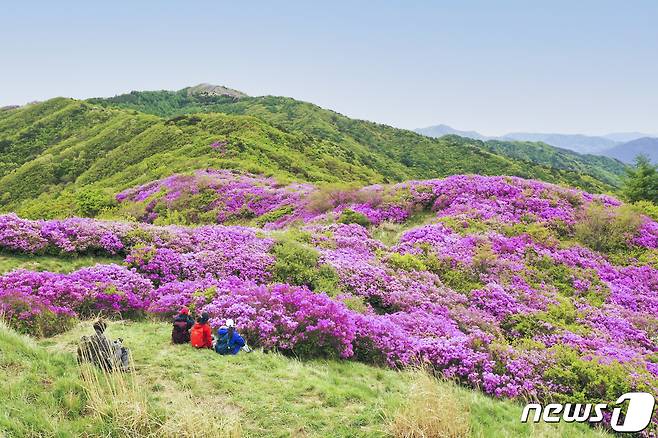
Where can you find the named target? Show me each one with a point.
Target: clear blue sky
(491, 66)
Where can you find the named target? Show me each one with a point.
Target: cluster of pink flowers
(220, 146)
(229, 195)
(107, 288)
(248, 260)
(89, 236)
(648, 235)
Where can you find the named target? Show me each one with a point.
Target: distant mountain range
(627, 152)
(624, 146)
(441, 130)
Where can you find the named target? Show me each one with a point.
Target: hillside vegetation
(603, 168)
(402, 145)
(348, 253)
(58, 156)
(513, 287)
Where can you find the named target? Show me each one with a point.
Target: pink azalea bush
(26, 297)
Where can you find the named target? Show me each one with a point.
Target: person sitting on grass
(183, 322)
(201, 335)
(98, 350)
(228, 339)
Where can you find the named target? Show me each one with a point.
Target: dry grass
(432, 410)
(120, 401)
(195, 418)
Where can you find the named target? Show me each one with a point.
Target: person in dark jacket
(97, 348)
(201, 335)
(229, 340)
(183, 322)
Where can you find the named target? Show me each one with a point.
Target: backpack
(196, 336)
(121, 356)
(180, 334)
(223, 345)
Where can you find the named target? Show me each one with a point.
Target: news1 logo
(638, 413)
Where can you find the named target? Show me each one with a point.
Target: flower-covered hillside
(516, 287)
(222, 196)
(216, 196)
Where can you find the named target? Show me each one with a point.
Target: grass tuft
(432, 410)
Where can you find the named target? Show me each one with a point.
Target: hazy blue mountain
(584, 144)
(441, 130)
(627, 136)
(627, 152)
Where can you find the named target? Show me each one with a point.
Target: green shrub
(329, 196)
(484, 259)
(90, 202)
(358, 304)
(562, 316)
(459, 278)
(641, 182)
(137, 236)
(41, 322)
(465, 227)
(407, 262)
(171, 217)
(607, 230)
(526, 326)
(589, 381)
(648, 208)
(298, 264)
(349, 216)
(274, 215)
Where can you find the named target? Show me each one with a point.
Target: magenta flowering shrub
(26, 296)
(218, 251)
(648, 235)
(495, 300)
(525, 286)
(194, 294)
(163, 265)
(20, 235)
(160, 265)
(227, 195)
(288, 318)
(81, 236)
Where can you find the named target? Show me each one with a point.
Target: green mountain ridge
(603, 168)
(295, 115)
(52, 151)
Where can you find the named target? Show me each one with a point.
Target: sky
(492, 66)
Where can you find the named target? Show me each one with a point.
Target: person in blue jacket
(228, 339)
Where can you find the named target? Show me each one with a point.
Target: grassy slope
(9, 262)
(114, 149)
(270, 394)
(414, 150)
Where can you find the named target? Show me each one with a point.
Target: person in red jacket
(201, 335)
